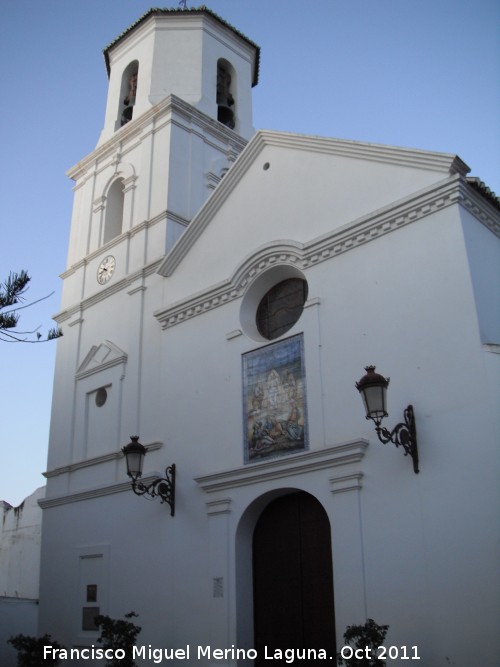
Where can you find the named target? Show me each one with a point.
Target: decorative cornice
(94, 461)
(118, 286)
(213, 180)
(367, 228)
(97, 492)
(129, 233)
(446, 163)
(481, 206)
(330, 457)
(285, 252)
(143, 125)
(484, 190)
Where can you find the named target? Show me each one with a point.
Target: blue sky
(416, 73)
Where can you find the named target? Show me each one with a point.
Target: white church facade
(224, 291)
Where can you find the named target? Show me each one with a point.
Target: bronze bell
(225, 115)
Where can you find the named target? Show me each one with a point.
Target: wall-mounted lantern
(164, 487)
(373, 390)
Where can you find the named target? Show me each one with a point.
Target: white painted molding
(213, 180)
(278, 252)
(111, 355)
(346, 483)
(123, 170)
(217, 507)
(446, 163)
(449, 192)
(314, 301)
(97, 492)
(234, 334)
(123, 284)
(96, 460)
(330, 457)
(149, 122)
(164, 216)
(481, 208)
(98, 204)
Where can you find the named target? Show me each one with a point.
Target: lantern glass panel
(134, 463)
(374, 398)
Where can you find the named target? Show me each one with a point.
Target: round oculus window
(101, 396)
(281, 307)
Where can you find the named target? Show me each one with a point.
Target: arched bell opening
(128, 93)
(226, 106)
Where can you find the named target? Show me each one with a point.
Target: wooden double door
(293, 579)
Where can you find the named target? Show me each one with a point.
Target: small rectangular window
(92, 593)
(89, 615)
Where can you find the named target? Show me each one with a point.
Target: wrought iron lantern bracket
(162, 487)
(373, 388)
(402, 435)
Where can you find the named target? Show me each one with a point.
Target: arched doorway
(293, 578)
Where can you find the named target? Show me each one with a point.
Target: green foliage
(371, 636)
(117, 634)
(30, 650)
(12, 293)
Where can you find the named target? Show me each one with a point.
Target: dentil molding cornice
(449, 192)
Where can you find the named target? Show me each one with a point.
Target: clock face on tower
(106, 269)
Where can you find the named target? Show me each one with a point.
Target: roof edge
(202, 9)
(447, 163)
(486, 192)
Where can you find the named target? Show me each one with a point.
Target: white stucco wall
(405, 301)
(400, 256)
(20, 542)
(20, 535)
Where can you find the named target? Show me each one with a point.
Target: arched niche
(113, 220)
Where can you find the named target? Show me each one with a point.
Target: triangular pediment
(100, 357)
(363, 171)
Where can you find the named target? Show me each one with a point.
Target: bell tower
(191, 54)
(178, 114)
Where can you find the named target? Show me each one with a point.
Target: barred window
(281, 307)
